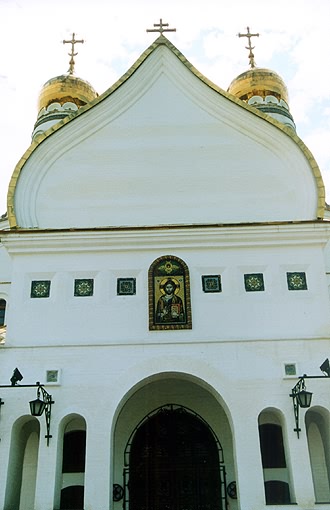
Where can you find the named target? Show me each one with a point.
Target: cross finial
(73, 41)
(249, 47)
(161, 28)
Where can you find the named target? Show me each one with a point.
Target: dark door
(174, 464)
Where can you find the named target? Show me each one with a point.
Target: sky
(294, 41)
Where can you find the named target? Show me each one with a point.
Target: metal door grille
(174, 461)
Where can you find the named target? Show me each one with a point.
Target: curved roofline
(162, 40)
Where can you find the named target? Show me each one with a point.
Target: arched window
(73, 465)
(74, 447)
(169, 294)
(276, 475)
(271, 445)
(2, 312)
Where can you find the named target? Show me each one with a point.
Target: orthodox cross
(72, 54)
(161, 28)
(249, 47)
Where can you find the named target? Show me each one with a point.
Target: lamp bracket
(300, 387)
(47, 398)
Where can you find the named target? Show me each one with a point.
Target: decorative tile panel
(40, 288)
(211, 283)
(290, 369)
(296, 281)
(126, 286)
(254, 282)
(84, 287)
(52, 376)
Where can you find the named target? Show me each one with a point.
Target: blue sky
(294, 41)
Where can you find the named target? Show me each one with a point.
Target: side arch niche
(23, 464)
(318, 437)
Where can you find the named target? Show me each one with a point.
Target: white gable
(165, 148)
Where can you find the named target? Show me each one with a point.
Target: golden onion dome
(258, 82)
(66, 88)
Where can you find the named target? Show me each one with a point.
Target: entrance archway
(174, 461)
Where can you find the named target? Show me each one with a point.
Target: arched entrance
(174, 462)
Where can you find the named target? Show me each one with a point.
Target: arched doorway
(174, 461)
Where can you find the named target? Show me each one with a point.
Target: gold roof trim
(162, 40)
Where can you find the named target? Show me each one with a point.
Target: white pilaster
(97, 467)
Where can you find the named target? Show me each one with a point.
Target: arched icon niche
(169, 294)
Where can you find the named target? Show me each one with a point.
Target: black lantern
(37, 407)
(304, 398)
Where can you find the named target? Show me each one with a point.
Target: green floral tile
(84, 287)
(296, 281)
(254, 282)
(40, 288)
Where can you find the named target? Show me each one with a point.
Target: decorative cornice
(169, 237)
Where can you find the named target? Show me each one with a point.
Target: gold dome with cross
(257, 81)
(67, 87)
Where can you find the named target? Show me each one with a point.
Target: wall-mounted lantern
(37, 406)
(303, 398)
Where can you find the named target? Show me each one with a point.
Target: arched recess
(317, 422)
(23, 462)
(277, 480)
(71, 463)
(195, 408)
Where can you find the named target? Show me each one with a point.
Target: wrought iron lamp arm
(47, 402)
(301, 397)
(300, 386)
(47, 398)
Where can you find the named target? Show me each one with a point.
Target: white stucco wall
(113, 387)
(105, 256)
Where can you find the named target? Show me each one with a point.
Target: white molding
(167, 238)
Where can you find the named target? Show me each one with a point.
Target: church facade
(164, 277)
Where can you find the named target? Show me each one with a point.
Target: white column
(97, 467)
(250, 482)
(300, 467)
(46, 472)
